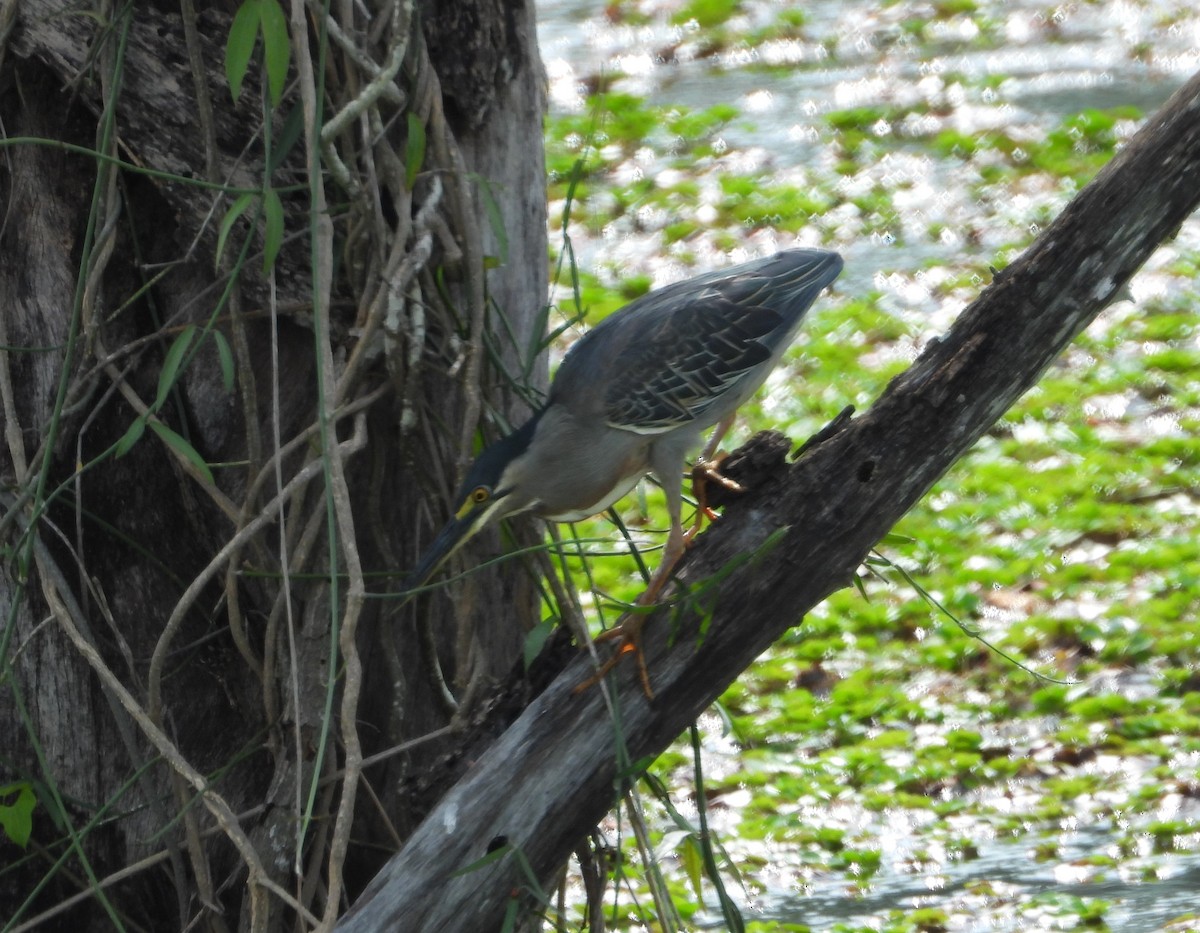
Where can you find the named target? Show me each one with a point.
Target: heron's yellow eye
(478, 496)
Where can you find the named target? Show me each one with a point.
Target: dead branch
(555, 772)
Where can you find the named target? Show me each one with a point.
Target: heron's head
(497, 485)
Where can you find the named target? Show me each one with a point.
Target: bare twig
(259, 882)
(161, 649)
(12, 424)
(204, 109)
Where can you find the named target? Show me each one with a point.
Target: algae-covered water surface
(1000, 730)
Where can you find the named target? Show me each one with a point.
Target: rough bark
(99, 559)
(794, 539)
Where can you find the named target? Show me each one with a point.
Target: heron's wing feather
(672, 375)
(668, 359)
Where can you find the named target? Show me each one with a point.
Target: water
(1036, 64)
(1002, 890)
(1020, 67)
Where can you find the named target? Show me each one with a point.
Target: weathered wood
(146, 531)
(552, 775)
(158, 128)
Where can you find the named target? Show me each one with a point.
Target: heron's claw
(629, 631)
(703, 473)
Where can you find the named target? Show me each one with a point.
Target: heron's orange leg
(629, 629)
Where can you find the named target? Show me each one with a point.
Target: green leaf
(512, 911)
(225, 357)
(235, 211)
(242, 35)
(692, 860)
(287, 138)
(16, 818)
(132, 435)
(493, 856)
(414, 150)
(181, 447)
(277, 49)
(272, 229)
(495, 218)
(171, 364)
(535, 640)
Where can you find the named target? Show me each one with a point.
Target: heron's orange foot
(629, 631)
(710, 469)
(703, 473)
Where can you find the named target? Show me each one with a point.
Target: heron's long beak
(456, 533)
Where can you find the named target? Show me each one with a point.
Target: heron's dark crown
(490, 465)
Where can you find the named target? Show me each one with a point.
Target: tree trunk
(191, 671)
(800, 534)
